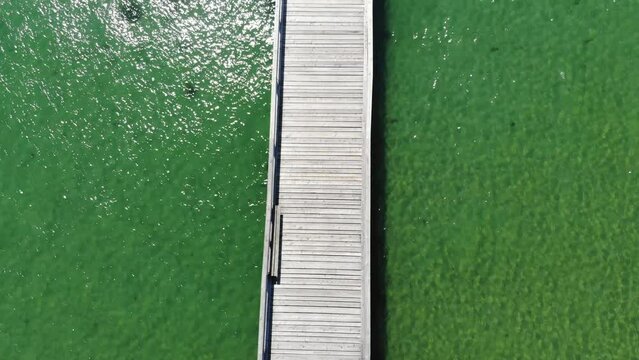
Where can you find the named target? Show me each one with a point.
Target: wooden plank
(319, 265)
(324, 218)
(325, 3)
(292, 246)
(317, 337)
(301, 272)
(311, 304)
(276, 243)
(321, 118)
(316, 345)
(279, 356)
(315, 281)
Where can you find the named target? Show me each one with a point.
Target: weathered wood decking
(315, 287)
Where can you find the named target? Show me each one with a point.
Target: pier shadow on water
(378, 195)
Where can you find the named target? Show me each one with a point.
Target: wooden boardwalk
(315, 289)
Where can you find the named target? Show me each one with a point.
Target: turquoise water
(510, 136)
(133, 146)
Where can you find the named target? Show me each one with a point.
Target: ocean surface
(511, 153)
(133, 148)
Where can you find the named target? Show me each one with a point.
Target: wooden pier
(315, 301)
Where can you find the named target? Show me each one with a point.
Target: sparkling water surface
(133, 147)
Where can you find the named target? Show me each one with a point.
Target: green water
(511, 150)
(133, 140)
(133, 145)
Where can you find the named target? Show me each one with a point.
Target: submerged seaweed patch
(131, 10)
(189, 89)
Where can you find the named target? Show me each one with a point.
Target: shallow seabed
(511, 142)
(133, 145)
